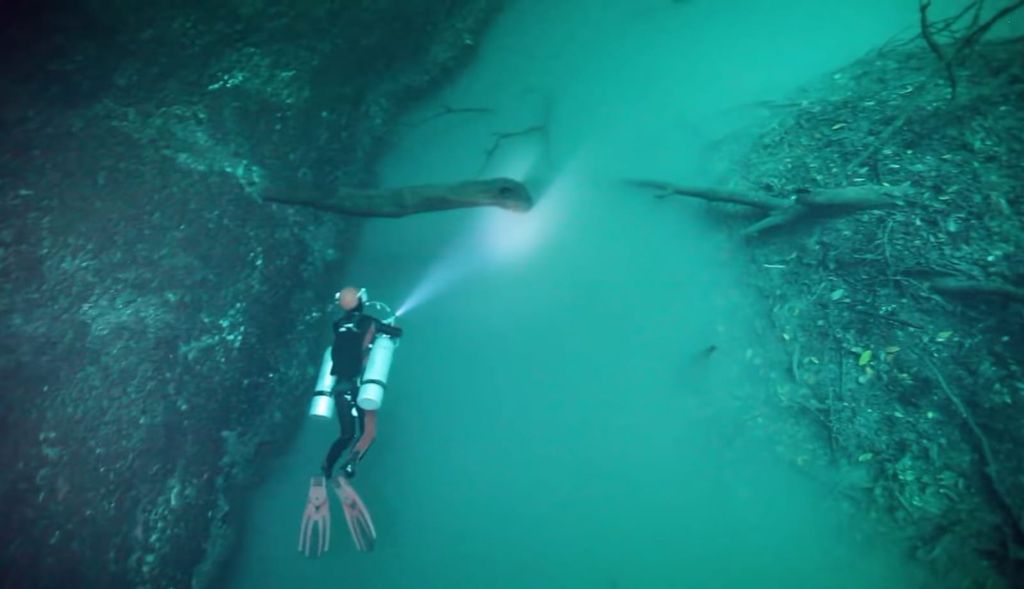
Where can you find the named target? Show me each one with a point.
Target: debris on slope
(903, 323)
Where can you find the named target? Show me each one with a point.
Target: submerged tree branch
(407, 200)
(821, 202)
(975, 32)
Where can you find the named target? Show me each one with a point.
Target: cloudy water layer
(553, 417)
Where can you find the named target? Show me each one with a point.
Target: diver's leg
(347, 421)
(368, 433)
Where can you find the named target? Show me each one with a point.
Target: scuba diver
(353, 333)
(358, 360)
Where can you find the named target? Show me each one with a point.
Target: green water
(547, 423)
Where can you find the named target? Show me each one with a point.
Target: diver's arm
(389, 329)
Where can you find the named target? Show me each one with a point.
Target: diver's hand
(318, 511)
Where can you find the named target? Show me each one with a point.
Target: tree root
(958, 287)
(1013, 519)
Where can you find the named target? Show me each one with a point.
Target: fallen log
(408, 200)
(821, 202)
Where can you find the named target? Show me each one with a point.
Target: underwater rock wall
(161, 321)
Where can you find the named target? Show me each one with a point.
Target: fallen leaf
(864, 358)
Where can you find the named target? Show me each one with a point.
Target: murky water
(549, 422)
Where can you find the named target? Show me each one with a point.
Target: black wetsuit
(351, 338)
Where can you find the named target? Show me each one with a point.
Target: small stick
(449, 110)
(500, 137)
(795, 362)
(882, 138)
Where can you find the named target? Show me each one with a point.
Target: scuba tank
(322, 404)
(378, 365)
